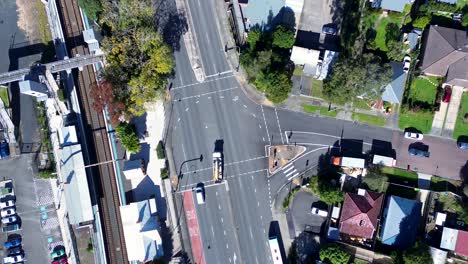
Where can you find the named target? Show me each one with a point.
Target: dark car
(12, 243)
(447, 95)
(329, 29)
(462, 145)
(418, 152)
(15, 251)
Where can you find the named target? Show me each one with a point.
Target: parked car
(329, 29)
(14, 259)
(418, 152)
(15, 251)
(406, 63)
(414, 135)
(60, 261)
(462, 144)
(57, 253)
(9, 219)
(457, 17)
(12, 243)
(447, 95)
(7, 212)
(6, 204)
(317, 211)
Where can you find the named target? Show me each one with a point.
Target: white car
(415, 136)
(9, 219)
(14, 259)
(6, 204)
(7, 212)
(406, 63)
(200, 194)
(317, 211)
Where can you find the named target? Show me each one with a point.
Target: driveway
(301, 214)
(452, 112)
(317, 13)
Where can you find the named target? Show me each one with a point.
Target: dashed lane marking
(266, 126)
(279, 126)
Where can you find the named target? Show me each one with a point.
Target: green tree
(253, 37)
(465, 20)
(283, 37)
(395, 50)
(417, 254)
(254, 66)
(375, 180)
(128, 137)
(92, 8)
(363, 76)
(275, 85)
(421, 22)
(392, 32)
(325, 190)
(334, 254)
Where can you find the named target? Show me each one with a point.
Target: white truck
(217, 166)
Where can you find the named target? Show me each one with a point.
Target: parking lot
(302, 215)
(39, 227)
(315, 14)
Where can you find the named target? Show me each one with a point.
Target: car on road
(14, 259)
(9, 219)
(414, 135)
(447, 95)
(200, 194)
(7, 212)
(15, 251)
(57, 253)
(406, 63)
(60, 261)
(12, 243)
(418, 152)
(6, 204)
(316, 211)
(329, 29)
(462, 144)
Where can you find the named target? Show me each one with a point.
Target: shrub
(128, 137)
(164, 173)
(47, 174)
(61, 94)
(160, 150)
(334, 254)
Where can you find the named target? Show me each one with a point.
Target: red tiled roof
(360, 214)
(462, 243)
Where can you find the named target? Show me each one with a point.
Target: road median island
(279, 156)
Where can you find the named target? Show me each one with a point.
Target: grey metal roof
(457, 73)
(413, 40)
(75, 185)
(393, 92)
(452, 2)
(449, 238)
(394, 5)
(261, 12)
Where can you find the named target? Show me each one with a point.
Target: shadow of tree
(171, 23)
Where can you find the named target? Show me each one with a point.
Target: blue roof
(401, 222)
(452, 2)
(393, 92)
(394, 5)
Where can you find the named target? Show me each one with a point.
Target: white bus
(275, 250)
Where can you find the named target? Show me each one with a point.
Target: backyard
(461, 126)
(421, 99)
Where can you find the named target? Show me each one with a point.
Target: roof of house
(393, 92)
(452, 2)
(462, 243)
(394, 5)
(401, 221)
(360, 214)
(449, 238)
(260, 12)
(141, 230)
(442, 48)
(457, 73)
(302, 56)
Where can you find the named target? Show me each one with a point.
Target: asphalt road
(237, 212)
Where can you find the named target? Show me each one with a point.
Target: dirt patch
(32, 20)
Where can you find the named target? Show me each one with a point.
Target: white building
(316, 63)
(35, 89)
(141, 231)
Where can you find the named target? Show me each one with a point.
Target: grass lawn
(423, 90)
(361, 104)
(4, 96)
(461, 129)
(297, 70)
(316, 88)
(369, 119)
(439, 184)
(380, 38)
(400, 176)
(422, 121)
(322, 110)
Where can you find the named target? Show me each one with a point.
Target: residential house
(360, 215)
(391, 5)
(455, 240)
(142, 231)
(316, 63)
(393, 91)
(445, 54)
(401, 219)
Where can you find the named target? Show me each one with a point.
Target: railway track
(108, 198)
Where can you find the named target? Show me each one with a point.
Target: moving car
(447, 95)
(413, 135)
(6, 204)
(7, 212)
(406, 63)
(9, 219)
(317, 211)
(329, 29)
(14, 259)
(418, 152)
(200, 194)
(12, 243)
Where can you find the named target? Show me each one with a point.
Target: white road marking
(235, 98)
(263, 139)
(224, 232)
(287, 166)
(266, 126)
(219, 206)
(209, 97)
(200, 83)
(290, 173)
(289, 169)
(245, 106)
(186, 109)
(221, 96)
(197, 102)
(222, 220)
(279, 126)
(260, 126)
(178, 120)
(212, 231)
(217, 74)
(204, 94)
(294, 176)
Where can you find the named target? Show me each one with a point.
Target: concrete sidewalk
(452, 112)
(439, 118)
